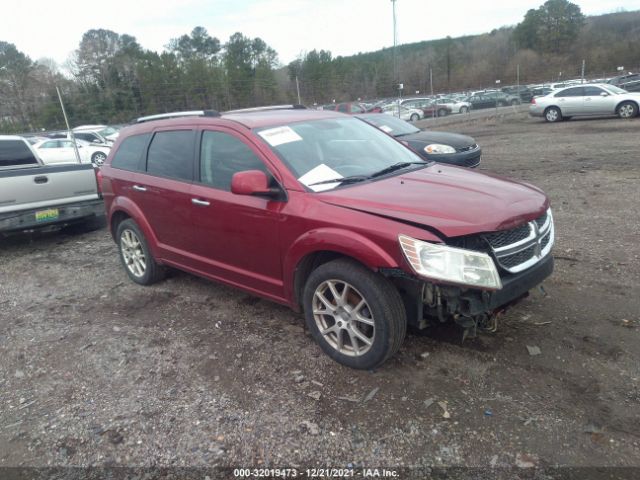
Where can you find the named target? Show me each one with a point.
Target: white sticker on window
(279, 135)
(386, 129)
(319, 174)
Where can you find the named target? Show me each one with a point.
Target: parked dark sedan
(442, 147)
(492, 100)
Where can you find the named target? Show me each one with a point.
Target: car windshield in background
(322, 150)
(107, 131)
(614, 89)
(391, 125)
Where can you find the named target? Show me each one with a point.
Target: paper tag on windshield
(279, 135)
(318, 174)
(386, 129)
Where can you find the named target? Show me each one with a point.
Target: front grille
(519, 248)
(469, 148)
(518, 258)
(507, 237)
(472, 161)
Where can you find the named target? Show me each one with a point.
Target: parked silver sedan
(589, 99)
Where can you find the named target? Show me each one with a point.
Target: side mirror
(251, 182)
(604, 94)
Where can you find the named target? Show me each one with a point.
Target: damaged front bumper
(427, 303)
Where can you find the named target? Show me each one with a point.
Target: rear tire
(442, 112)
(552, 114)
(414, 117)
(355, 315)
(515, 102)
(464, 109)
(135, 254)
(627, 110)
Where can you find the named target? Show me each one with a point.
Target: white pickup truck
(35, 196)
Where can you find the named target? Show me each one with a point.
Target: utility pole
(518, 79)
(298, 90)
(582, 75)
(66, 120)
(396, 80)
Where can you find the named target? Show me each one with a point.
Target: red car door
(163, 193)
(237, 236)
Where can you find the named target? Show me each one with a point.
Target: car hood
(453, 201)
(425, 138)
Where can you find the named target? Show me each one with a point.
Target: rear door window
(571, 92)
(171, 154)
(15, 153)
(130, 152)
(592, 91)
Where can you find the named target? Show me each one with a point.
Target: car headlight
(449, 264)
(436, 148)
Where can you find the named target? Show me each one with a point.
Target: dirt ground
(95, 370)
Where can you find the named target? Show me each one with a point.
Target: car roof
(250, 120)
(12, 137)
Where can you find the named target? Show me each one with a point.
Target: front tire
(355, 315)
(414, 117)
(464, 109)
(627, 110)
(135, 254)
(98, 158)
(552, 114)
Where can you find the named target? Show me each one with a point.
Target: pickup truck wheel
(98, 158)
(355, 315)
(136, 256)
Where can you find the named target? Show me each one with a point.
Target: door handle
(587, 99)
(41, 179)
(202, 203)
(138, 188)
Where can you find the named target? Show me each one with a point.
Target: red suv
(326, 214)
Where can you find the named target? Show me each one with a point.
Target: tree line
(111, 79)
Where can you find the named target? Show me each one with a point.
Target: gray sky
(53, 29)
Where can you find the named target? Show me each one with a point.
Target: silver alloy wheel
(99, 158)
(132, 253)
(552, 115)
(343, 317)
(626, 110)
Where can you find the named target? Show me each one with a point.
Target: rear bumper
(66, 214)
(536, 111)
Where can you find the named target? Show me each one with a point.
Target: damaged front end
(520, 259)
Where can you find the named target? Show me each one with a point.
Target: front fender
(345, 242)
(125, 205)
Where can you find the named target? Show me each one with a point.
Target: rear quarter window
(129, 153)
(15, 153)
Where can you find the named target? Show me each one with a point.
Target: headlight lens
(449, 264)
(436, 148)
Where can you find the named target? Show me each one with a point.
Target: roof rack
(193, 113)
(268, 108)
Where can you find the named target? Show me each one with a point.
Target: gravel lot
(96, 370)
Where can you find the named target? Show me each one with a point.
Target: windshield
(391, 125)
(321, 150)
(614, 89)
(107, 131)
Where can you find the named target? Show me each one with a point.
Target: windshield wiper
(394, 167)
(344, 180)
